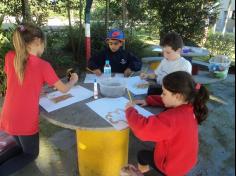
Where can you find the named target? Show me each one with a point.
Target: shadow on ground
(217, 142)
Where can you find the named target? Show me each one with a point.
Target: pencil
(131, 74)
(90, 70)
(130, 98)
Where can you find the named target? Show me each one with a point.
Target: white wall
(222, 17)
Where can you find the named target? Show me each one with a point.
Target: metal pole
(87, 29)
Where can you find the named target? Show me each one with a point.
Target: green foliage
(39, 10)
(189, 18)
(57, 40)
(98, 37)
(135, 45)
(56, 37)
(5, 46)
(220, 44)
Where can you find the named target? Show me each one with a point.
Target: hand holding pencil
(96, 71)
(130, 104)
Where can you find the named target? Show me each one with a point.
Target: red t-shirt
(175, 132)
(20, 110)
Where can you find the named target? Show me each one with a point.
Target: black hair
(182, 82)
(172, 39)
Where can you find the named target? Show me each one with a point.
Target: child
(172, 46)
(121, 61)
(26, 74)
(175, 131)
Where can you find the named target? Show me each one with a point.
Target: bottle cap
(107, 62)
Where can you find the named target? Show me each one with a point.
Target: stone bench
(148, 60)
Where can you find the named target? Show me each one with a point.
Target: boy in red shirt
(175, 131)
(26, 74)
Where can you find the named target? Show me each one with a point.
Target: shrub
(221, 45)
(5, 46)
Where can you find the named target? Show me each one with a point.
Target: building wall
(222, 17)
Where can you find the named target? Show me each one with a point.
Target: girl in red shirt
(174, 131)
(26, 74)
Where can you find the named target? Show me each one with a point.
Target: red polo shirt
(20, 110)
(175, 132)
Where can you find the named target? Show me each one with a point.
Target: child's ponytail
(182, 82)
(22, 37)
(199, 103)
(21, 54)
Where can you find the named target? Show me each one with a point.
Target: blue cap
(116, 34)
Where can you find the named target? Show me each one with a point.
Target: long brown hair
(23, 35)
(182, 82)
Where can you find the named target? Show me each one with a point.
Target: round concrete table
(102, 150)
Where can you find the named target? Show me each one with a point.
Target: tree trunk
(71, 30)
(123, 15)
(107, 15)
(26, 11)
(79, 54)
(123, 18)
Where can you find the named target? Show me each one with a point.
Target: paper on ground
(133, 82)
(112, 110)
(78, 94)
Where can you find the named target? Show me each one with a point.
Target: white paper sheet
(78, 93)
(132, 84)
(91, 77)
(112, 110)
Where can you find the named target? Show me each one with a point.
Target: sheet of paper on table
(136, 85)
(112, 110)
(56, 100)
(91, 77)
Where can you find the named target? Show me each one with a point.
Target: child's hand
(129, 105)
(143, 76)
(74, 78)
(141, 102)
(127, 72)
(97, 72)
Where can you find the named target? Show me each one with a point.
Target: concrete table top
(80, 116)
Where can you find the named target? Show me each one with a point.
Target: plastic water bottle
(107, 69)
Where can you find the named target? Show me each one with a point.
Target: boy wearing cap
(120, 60)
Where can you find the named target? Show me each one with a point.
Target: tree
(25, 7)
(25, 11)
(189, 18)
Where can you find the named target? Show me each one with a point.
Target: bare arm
(65, 87)
(148, 76)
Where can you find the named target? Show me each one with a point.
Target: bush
(98, 37)
(221, 45)
(188, 18)
(5, 46)
(135, 45)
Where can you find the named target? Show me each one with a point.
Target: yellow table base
(102, 153)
